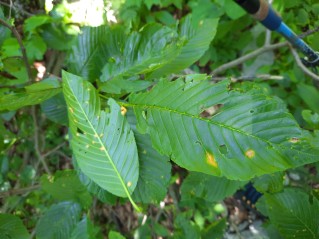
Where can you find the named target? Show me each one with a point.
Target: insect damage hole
(294, 140)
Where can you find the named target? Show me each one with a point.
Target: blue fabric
(272, 20)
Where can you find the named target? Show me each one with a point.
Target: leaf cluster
(131, 120)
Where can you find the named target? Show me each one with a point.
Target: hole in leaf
(79, 131)
(211, 111)
(144, 114)
(252, 111)
(223, 149)
(294, 140)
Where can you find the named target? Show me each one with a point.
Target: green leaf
(311, 119)
(85, 230)
(35, 48)
(197, 36)
(55, 109)
(103, 195)
(233, 10)
(121, 86)
(33, 94)
(270, 183)
(16, 69)
(59, 221)
(143, 52)
(293, 214)
(56, 38)
(154, 171)
(66, 186)
(115, 235)
(209, 188)
(12, 227)
(31, 23)
(310, 96)
(215, 230)
(10, 48)
(103, 143)
(90, 51)
(250, 134)
(185, 228)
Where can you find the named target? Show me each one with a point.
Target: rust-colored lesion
(210, 159)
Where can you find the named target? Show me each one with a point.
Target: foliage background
(44, 194)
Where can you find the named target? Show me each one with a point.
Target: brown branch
(23, 51)
(19, 191)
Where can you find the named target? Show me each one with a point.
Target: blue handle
(262, 11)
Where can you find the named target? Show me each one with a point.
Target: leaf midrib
(194, 117)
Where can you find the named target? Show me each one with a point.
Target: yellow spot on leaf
(71, 110)
(123, 110)
(93, 142)
(77, 134)
(250, 153)
(129, 183)
(294, 140)
(101, 135)
(210, 159)
(102, 148)
(87, 146)
(96, 135)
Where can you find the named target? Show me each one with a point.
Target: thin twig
(23, 51)
(302, 66)
(16, 9)
(53, 150)
(19, 191)
(309, 32)
(257, 52)
(36, 141)
(247, 57)
(261, 77)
